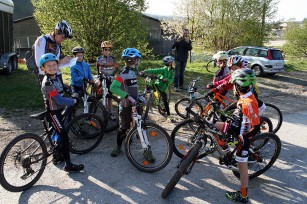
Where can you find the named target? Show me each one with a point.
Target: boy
(223, 71)
(166, 78)
(125, 86)
(80, 72)
(107, 65)
(248, 114)
(52, 90)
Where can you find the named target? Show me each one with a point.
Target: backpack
(30, 56)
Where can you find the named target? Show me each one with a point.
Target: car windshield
(276, 55)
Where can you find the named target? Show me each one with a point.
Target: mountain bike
(148, 146)
(272, 112)
(261, 157)
(23, 160)
(102, 93)
(152, 96)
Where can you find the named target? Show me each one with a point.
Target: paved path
(115, 180)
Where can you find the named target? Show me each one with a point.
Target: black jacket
(182, 50)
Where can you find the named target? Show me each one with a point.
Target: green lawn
(20, 90)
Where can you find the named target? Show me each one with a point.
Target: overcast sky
(286, 8)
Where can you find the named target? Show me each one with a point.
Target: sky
(287, 9)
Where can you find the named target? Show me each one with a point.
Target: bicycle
(23, 160)
(152, 96)
(272, 112)
(102, 93)
(260, 158)
(183, 134)
(148, 146)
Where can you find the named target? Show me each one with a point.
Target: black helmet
(168, 59)
(64, 28)
(77, 49)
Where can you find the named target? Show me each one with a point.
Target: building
(26, 30)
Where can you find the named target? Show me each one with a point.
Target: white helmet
(220, 55)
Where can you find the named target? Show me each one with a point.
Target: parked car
(262, 60)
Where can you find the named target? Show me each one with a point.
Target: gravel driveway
(115, 180)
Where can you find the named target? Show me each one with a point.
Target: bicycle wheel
(160, 147)
(266, 148)
(113, 114)
(85, 132)
(196, 107)
(183, 167)
(22, 162)
(275, 115)
(180, 107)
(98, 109)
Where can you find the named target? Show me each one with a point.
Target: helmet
(243, 77)
(77, 49)
(46, 58)
(235, 60)
(221, 55)
(244, 62)
(64, 28)
(106, 44)
(131, 53)
(168, 59)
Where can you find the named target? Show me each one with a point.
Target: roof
(23, 19)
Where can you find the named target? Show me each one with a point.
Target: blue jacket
(79, 71)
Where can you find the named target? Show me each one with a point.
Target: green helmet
(243, 77)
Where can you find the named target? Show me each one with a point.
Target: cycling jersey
(52, 90)
(107, 65)
(78, 72)
(125, 84)
(162, 73)
(40, 46)
(221, 74)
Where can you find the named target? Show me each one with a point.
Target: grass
(295, 64)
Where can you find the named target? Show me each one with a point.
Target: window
(252, 52)
(263, 53)
(237, 51)
(276, 55)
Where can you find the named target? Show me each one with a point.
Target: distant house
(26, 30)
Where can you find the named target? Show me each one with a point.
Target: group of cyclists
(232, 74)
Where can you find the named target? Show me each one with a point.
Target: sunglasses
(107, 49)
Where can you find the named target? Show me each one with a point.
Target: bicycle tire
(196, 107)
(161, 145)
(97, 108)
(180, 107)
(90, 129)
(183, 167)
(113, 123)
(276, 119)
(18, 159)
(148, 98)
(261, 150)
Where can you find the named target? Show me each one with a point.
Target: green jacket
(162, 73)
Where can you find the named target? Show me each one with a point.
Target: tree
(296, 39)
(94, 21)
(223, 24)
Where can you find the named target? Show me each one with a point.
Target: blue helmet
(131, 53)
(46, 58)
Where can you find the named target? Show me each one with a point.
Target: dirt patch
(288, 91)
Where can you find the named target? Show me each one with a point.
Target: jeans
(179, 71)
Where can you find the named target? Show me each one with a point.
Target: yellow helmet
(106, 44)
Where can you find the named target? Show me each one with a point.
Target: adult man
(183, 45)
(51, 43)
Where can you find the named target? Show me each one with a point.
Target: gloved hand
(143, 100)
(210, 86)
(131, 100)
(165, 79)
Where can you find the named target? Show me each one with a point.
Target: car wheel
(258, 70)
(9, 68)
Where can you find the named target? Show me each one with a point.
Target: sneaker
(236, 196)
(148, 156)
(57, 158)
(116, 151)
(74, 168)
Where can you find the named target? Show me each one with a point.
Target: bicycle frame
(138, 121)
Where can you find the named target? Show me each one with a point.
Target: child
(107, 65)
(166, 78)
(52, 90)
(248, 113)
(125, 86)
(223, 71)
(80, 72)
